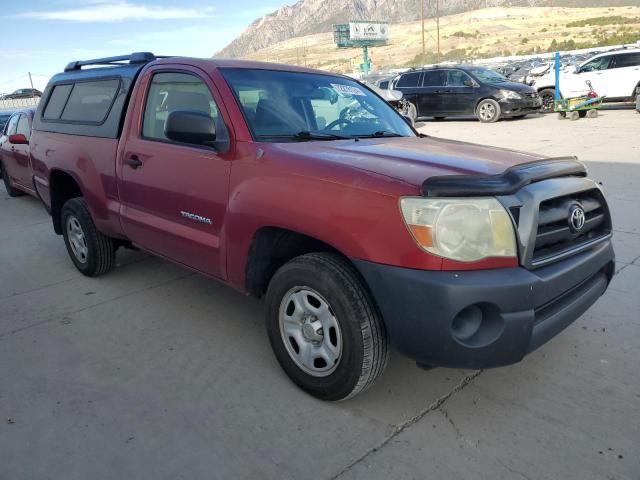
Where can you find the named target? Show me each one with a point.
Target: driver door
(174, 195)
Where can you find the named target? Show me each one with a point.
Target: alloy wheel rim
(487, 111)
(310, 331)
(77, 240)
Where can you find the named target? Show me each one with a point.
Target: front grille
(554, 236)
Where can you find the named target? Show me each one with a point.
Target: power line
(17, 78)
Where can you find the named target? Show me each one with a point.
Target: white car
(614, 75)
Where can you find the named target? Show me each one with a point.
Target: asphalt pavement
(154, 372)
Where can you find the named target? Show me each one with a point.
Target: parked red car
(308, 189)
(15, 160)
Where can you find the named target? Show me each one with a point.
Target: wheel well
(475, 109)
(273, 247)
(63, 187)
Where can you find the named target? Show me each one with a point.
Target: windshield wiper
(380, 134)
(307, 135)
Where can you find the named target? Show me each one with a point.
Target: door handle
(134, 162)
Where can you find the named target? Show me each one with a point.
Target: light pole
(438, 26)
(422, 18)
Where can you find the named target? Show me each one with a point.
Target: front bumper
(488, 318)
(520, 106)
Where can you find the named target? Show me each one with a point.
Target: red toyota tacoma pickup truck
(308, 189)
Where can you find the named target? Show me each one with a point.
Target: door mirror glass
(193, 127)
(18, 139)
(468, 82)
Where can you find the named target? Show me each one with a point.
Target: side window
(90, 101)
(23, 126)
(57, 101)
(169, 92)
(627, 60)
(457, 78)
(434, 78)
(408, 80)
(13, 124)
(601, 63)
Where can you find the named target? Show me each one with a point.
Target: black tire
(492, 111)
(364, 343)
(547, 96)
(582, 113)
(100, 250)
(13, 192)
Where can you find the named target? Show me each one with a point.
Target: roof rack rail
(135, 58)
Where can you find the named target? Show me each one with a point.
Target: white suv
(614, 75)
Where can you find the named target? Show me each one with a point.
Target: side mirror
(190, 126)
(468, 82)
(18, 139)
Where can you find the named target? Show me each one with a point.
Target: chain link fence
(18, 103)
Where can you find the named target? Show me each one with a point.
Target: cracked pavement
(155, 372)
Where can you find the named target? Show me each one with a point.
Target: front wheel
(323, 327)
(91, 252)
(488, 111)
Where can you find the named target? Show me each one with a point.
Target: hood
(515, 86)
(410, 160)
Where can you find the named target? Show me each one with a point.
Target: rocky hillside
(316, 16)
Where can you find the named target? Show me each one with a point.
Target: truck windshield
(293, 106)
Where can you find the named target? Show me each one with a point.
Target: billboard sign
(368, 31)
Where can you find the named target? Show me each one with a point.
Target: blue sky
(42, 36)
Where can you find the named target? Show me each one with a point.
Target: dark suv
(456, 90)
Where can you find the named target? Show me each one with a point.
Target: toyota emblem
(576, 218)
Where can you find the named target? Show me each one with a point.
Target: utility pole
(422, 18)
(30, 80)
(438, 26)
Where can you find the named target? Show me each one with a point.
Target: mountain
(315, 16)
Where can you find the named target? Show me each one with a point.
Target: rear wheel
(488, 111)
(13, 192)
(592, 113)
(574, 116)
(91, 252)
(547, 96)
(323, 327)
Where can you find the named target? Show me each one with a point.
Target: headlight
(510, 95)
(462, 229)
